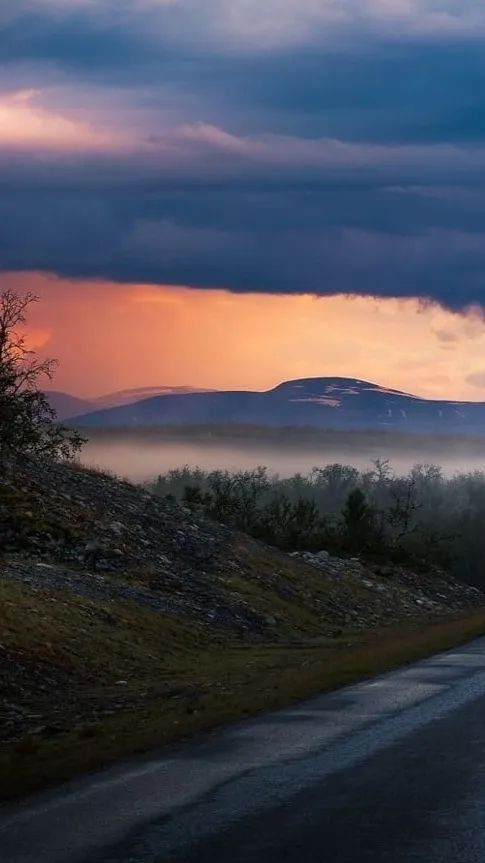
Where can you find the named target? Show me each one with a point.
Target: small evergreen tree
(358, 522)
(194, 498)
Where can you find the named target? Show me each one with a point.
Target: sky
(233, 193)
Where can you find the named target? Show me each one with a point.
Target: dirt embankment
(126, 622)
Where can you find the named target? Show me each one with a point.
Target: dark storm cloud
(275, 240)
(310, 151)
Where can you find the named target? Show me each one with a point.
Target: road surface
(391, 770)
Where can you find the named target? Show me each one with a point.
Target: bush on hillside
(28, 424)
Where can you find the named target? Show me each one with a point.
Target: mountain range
(325, 402)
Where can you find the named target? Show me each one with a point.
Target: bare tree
(402, 514)
(28, 424)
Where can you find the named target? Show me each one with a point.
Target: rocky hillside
(88, 532)
(125, 605)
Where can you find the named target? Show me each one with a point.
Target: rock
(49, 730)
(318, 558)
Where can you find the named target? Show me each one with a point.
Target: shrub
(27, 422)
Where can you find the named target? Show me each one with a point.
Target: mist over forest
(140, 454)
(405, 498)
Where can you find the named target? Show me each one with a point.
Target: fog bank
(141, 457)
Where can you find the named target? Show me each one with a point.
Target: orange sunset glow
(109, 336)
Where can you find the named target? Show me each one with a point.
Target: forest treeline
(423, 518)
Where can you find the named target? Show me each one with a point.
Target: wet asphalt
(391, 770)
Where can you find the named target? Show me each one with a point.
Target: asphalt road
(389, 771)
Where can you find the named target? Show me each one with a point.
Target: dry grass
(179, 677)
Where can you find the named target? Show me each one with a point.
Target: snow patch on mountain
(320, 400)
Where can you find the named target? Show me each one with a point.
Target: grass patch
(123, 680)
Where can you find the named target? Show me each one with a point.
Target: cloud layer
(286, 147)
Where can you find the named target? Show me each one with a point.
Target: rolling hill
(126, 397)
(66, 405)
(329, 402)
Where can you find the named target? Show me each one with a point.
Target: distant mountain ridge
(126, 397)
(325, 402)
(67, 406)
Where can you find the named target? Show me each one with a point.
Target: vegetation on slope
(421, 519)
(127, 621)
